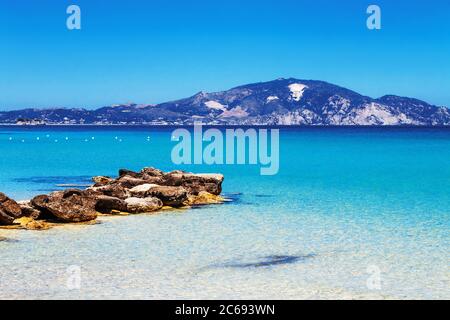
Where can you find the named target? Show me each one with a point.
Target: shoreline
(148, 191)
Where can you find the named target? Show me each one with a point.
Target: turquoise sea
(352, 213)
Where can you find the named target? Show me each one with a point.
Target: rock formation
(132, 192)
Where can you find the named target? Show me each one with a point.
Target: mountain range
(278, 102)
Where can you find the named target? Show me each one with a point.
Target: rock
(178, 172)
(71, 205)
(126, 172)
(142, 190)
(39, 201)
(28, 210)
(5, 219)
(195, 183)
(112, 190)
(170, 196)
(130, 182)
(204, 197)
(152, 175)
(37, 225)
(102, 180)
(31, 224)
(9, 210)
(151, 172)
(142, 205)
(153, 180)
(145, 173)
(107, 204)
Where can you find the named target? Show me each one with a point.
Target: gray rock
(143, 205)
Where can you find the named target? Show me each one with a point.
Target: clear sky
(159, 50)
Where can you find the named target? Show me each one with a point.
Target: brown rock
(153, 180)
(195, 183)
(71, 205)
(170, 196)
(107, 204)
(5, 218)
(9, 210)
(102, 180)
(28, 210)
(151, 172)
(130, 182)
(126, 172)
(113, 190)
(39, 201)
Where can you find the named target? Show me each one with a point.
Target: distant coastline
(278, 102)
(446, 126)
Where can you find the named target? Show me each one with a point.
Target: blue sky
(158, 50)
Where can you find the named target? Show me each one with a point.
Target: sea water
(352, 213)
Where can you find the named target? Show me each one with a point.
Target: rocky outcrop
(132, 192)
(9, 210)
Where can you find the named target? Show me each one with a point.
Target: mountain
(279, 102)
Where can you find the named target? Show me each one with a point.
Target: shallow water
(347, 203)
